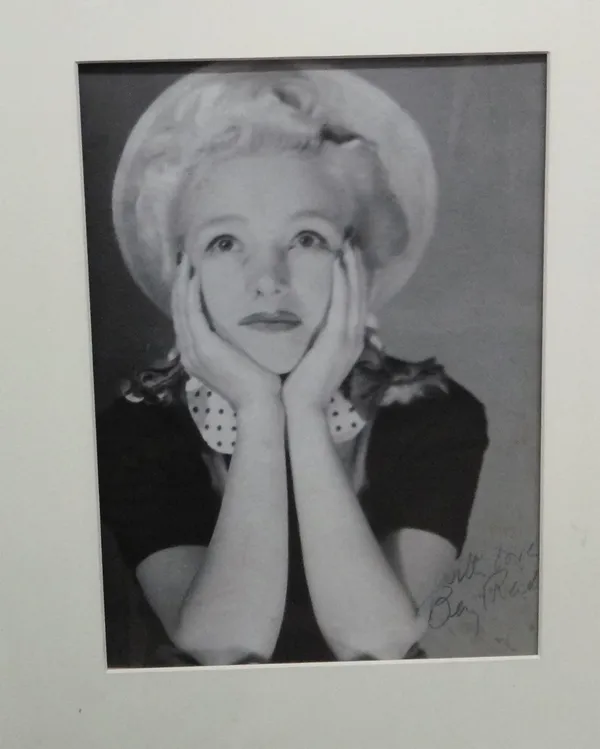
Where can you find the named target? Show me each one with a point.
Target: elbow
(215, 650)
(226, 638)
(373, 649)
(377, 644)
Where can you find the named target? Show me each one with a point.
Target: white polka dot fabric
(216, 420)
(213, 415)
(344, 421)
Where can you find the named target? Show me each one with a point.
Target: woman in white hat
(283, 489)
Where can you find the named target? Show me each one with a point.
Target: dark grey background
(475, 302)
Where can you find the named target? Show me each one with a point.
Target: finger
(177, 296)
(357, 305)
(336, 318)
(352, 336)
(207, 343)
(363, 310)
(352, 274)
(358, 281)
(194, 310)
(332, 328)
(183, 332)
(176, 290)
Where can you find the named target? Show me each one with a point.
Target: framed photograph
(428, 444)
(299, 424)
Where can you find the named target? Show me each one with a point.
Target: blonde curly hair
(206, 117)
(247, 116)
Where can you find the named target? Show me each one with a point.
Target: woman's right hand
(209, 358)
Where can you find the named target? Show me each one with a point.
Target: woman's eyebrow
(312, 213)
(222, 219)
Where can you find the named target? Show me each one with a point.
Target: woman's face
(262, 234)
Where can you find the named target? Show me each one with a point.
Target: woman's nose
(271, 276)
(268, 285)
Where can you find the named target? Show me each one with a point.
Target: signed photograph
(316, 315)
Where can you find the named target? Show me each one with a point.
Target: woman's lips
(272, 322)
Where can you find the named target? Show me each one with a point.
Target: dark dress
(422, 468)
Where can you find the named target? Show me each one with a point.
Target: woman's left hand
(340, 342)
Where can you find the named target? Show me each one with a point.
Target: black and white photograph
(316, 320)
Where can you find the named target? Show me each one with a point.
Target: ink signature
(444, 609)
(480, 582)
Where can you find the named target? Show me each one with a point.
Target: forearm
(234, 607)
(360, 604)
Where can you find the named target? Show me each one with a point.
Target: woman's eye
(224, 243)
(311, 240)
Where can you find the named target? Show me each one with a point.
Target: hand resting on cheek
(340, 341)
(209, 358)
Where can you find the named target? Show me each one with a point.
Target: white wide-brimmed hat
(344, 101)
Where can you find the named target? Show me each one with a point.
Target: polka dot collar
(216, 419)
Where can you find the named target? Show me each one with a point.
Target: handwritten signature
(504, 576)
